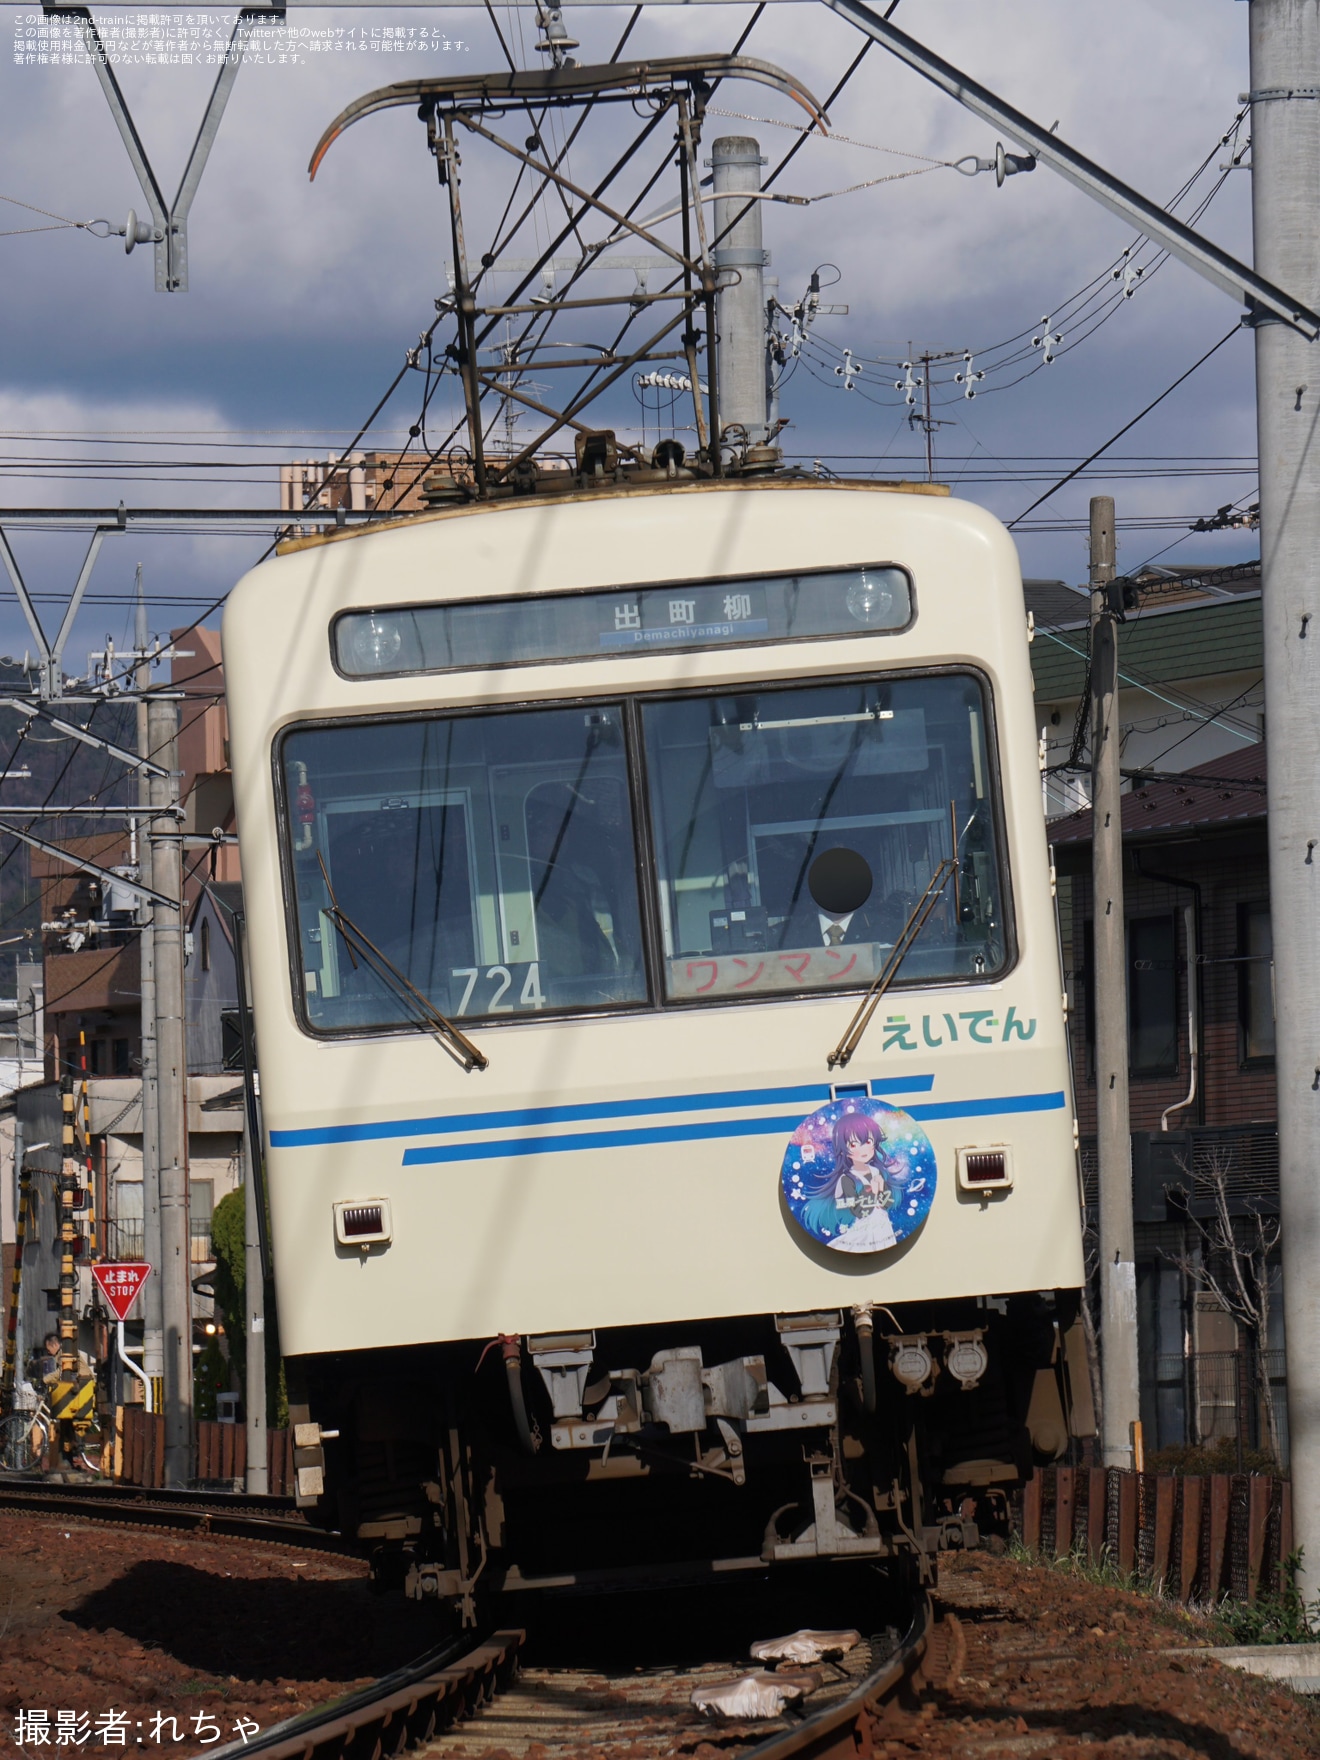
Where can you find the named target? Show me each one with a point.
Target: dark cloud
(304, 297)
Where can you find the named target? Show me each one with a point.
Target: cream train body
(615, 1169)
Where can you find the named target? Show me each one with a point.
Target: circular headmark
(859, 1176)
(840, 881)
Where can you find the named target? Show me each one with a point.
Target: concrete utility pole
(66, 1191)
(257, 1476)
(1285, 152)
(254, 1267)
(740, 302)
(16, 1344)
(1118, 1271)
(176, 1257)
(153, 1334)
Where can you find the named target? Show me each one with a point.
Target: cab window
(489, 859)
(796, 831)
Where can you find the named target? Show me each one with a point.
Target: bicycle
(25, 1438)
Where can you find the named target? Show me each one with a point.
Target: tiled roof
(1154, 647)
(1054, 604)
(1221, 792)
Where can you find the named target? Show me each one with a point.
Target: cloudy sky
(304, 296)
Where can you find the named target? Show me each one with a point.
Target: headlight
(871, 599)
(373, 642)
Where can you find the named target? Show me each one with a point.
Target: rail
(401, 1710)
(931, 1655)
(417, 1703)
(413, 1704)
(231, 1516)
(124, 1491)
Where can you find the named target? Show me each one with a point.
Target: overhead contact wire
(1127, 427)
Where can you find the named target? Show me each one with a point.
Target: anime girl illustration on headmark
(859, 1176)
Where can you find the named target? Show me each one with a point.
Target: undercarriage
(471, 1469)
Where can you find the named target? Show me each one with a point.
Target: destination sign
(658, 617)
(478, 634)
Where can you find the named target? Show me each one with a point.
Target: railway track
(556, 1708)
(931, 1655)
(423, 1705)
(402, 1710)
(229, 1515)
(120, 1491)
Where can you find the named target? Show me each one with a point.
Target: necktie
(834, 934)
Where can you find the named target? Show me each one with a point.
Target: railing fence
(1201, 1536)
(139, 1452)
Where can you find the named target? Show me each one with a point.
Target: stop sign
(120, 1284)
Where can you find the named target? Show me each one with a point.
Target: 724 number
(503, 978)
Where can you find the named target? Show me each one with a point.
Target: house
(1191, 673)
(381, 483)
(1200, 1001)
(213, 1034)
(83, 1003)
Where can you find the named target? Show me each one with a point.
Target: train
(670, 1149)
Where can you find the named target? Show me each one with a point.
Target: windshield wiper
(419, 1007)
(920, 915)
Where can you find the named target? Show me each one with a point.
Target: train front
(670, 1139)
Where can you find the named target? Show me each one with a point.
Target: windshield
(796, 831)
(490, 859)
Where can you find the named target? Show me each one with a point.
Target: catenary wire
(1127, 426)
(1070, 314)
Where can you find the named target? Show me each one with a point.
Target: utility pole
(740, 300)
(928, 424)
(67, 1190)
(1285, 152)
(153, 1333)
(257, 1479)
(172, 1067)
(254, 1259)
(15, 1331)
(927, 421)
(1118, 1271)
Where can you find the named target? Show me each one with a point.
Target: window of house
(1152, 995)
(126, 1238)
(231, 1037)
(201, 1194)
(1255, 983)
(206, 944)
(1152, 986)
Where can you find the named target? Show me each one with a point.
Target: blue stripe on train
(808, 1097)
(988, 1108)
(687, 1133)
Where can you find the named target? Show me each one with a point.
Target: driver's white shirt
(827, 923)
